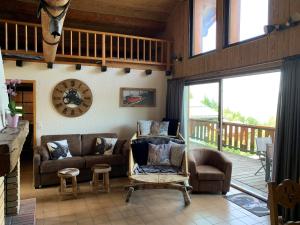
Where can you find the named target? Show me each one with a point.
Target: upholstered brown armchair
(210, 171)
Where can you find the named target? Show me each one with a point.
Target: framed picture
(137, 97)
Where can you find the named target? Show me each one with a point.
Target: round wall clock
(72, 98)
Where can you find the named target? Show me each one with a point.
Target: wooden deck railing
(26, 38)
(234, 135)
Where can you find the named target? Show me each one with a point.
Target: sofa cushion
(119, 146)
(205, 172)
(74, 142)
(59, 149)
(113, 160)
(52, 166)
(89, 141)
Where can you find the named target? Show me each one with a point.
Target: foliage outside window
(246, 19)
(203, 26)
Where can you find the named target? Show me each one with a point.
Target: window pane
(247, 19)
(204, 26)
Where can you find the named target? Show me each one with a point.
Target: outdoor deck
(243, 173)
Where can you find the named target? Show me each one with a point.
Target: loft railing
(234, 135)
(100, 47)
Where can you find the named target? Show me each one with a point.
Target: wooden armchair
(287, 195)
(177, 181)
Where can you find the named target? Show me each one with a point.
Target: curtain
(287, 145)
(174, 108)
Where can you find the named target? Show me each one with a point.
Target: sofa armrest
(192, 164)
(36, 167)
(43, 152)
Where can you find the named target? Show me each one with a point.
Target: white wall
(105, 115)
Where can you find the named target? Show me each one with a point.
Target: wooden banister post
(103, 50)
(168, 60)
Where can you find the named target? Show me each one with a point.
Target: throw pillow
(159, 128)
(145, 127)
(59, 149)
(177, 151)
(140, 152)
(159, 154)
(119, 146)
(105, 146)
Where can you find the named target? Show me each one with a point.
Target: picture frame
(137, 97)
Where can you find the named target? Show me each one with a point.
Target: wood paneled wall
(269, 48)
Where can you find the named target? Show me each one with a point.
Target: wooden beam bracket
(19, 63)
(78, 66)
(50, 65)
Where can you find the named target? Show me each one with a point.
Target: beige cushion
(205, 172)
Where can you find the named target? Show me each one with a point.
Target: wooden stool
(65, 174)
(103, 169)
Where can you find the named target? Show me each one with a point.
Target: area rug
(250, 203)
(26, 215)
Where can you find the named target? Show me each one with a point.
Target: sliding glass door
(203, 115)
(237, 116)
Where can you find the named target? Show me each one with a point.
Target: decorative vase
(12, 121)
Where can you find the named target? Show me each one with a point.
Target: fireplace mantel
(11, 144)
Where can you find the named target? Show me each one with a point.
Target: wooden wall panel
(268, 49)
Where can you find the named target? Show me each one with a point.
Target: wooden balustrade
(234, 135)
(26, 38)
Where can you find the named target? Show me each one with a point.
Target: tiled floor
(161, 207)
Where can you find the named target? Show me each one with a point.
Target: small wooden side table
(68, 173)
(98, 169)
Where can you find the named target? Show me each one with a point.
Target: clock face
(72, 98)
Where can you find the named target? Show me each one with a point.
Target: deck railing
(234, 135)
(26, 38)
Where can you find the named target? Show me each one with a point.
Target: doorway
(26, 100)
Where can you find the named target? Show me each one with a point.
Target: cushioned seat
(206, 172)
(51, 166)
(112, 160)
(210, 171)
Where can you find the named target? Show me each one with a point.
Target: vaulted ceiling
(141, 17)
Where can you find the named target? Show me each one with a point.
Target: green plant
(13, 108)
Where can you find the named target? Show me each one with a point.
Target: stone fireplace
(11, 144)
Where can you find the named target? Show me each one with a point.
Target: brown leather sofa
(210, 171)
(81, 147)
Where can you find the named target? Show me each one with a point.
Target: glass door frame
(220, 108)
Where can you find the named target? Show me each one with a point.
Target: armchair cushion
(206, 172)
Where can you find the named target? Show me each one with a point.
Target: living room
(149, 112)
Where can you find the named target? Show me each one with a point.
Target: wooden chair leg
(129, 193)
(106, 177)
(74, 186)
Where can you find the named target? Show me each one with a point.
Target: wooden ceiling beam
(25, 11)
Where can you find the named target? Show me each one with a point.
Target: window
(246, 19)
(203, 26)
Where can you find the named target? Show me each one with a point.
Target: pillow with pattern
(145, 127)
(59, 149)
(159, 128)
(177, 152)
(159, 154)
(105, 146)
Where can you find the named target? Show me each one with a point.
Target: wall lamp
(177, 58)
(292, 22)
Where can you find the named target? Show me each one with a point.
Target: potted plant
(14, 112)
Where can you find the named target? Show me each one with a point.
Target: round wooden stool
(68, 173)
(103, 169)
